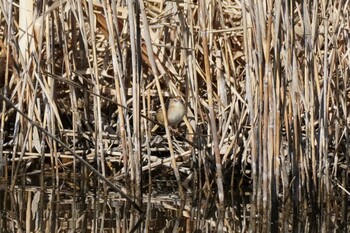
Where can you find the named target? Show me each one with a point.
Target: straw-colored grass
(265, 85)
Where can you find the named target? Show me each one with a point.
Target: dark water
(67, 208)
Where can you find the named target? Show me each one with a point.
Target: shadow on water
(29, 208)
(70, 209)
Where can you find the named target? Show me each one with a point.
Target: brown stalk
(219, 178)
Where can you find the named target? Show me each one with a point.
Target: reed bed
(266, 88)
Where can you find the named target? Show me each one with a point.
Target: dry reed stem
(265, 83)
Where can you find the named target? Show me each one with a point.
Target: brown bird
(175, 111)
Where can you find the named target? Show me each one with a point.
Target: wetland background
(264, 146)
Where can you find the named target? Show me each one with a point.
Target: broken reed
(296, 88)
(266, 84)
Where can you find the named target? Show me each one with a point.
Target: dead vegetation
(265, 85)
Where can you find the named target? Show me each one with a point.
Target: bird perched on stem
(175, 109)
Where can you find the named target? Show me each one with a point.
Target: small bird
(175, 111)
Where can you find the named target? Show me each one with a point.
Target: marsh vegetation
(264, 144)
